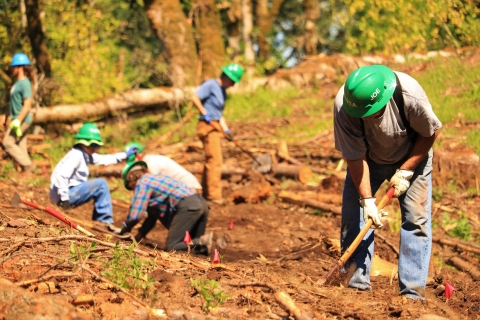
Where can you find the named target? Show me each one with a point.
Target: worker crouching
(178, 207)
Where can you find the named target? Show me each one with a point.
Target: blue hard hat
(20, 59)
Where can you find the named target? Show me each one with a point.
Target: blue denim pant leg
(416, 232)
(96, 189)
(353, 222)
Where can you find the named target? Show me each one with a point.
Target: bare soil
(275, 247)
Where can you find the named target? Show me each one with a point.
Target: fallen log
(457, 244)
(134, 99)
(297, 172)
(116, 170)
(465, 266)
(253, 193)
(298, 199)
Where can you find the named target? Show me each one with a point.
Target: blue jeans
(415, 233)
(98, 190)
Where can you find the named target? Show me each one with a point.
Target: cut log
(297, 172)
(465, 266)
(35, 137)
(134, 99)
(253, 193)
(298, 199)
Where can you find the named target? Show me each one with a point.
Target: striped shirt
(158, 191)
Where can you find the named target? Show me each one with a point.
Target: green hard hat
(233, 71)
(126, 170)
(368, 89)
(88, 134)
(133, 145)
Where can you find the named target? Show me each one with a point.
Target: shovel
(262, 164)
(18, 202)
(348, 253)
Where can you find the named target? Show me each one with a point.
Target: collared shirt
(158, 191)
(385, 139)
(72, 170)
(213, 98)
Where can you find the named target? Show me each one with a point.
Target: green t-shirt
(20, 91)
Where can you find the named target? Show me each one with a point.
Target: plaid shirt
(158, 191)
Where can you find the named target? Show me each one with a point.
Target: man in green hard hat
(69, 184)
(210, 99)
(385, 128)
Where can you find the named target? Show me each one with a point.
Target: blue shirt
(213, 98)
(158, 191)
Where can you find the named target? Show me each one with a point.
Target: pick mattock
(17, 202)
(348, 253)
(264, 164)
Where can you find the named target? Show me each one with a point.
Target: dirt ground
(277, 252)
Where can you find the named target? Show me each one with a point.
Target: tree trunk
(139, 99)
(312, 13)
(265, 19)
(234, 15)
(209, 38)
(173, 31)
(247, 31)
(37, 37)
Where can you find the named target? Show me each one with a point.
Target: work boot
(206, 241)
(223, 241)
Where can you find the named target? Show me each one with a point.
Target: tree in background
(176, 35)
(208, 35)
(37, 37)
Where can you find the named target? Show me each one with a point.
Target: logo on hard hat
(351, 104)
(94, 130)
(375, 94)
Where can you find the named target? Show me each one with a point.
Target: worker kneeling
(178, 207)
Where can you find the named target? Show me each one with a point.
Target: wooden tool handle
(353, 246)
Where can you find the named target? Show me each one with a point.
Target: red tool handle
(60, 217)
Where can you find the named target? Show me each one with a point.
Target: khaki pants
(212, 172)
(17, 147)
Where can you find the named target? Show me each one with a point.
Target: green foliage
(127, 270)
(318, 212)
(78, 252)
(208, 289)
(459, 227)
(370, 24)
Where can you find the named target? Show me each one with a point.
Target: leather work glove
(207, 118)
(16, 126)
(131, 152)
(229, 135)
(401, 181)
(65, 205)
(370, 211)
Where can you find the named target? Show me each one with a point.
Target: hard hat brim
(230, 75)
(128, 167)
(87, 143)
(391, 84)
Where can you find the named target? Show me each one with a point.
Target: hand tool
(348, 253)
(17, 202)
(263, 164)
